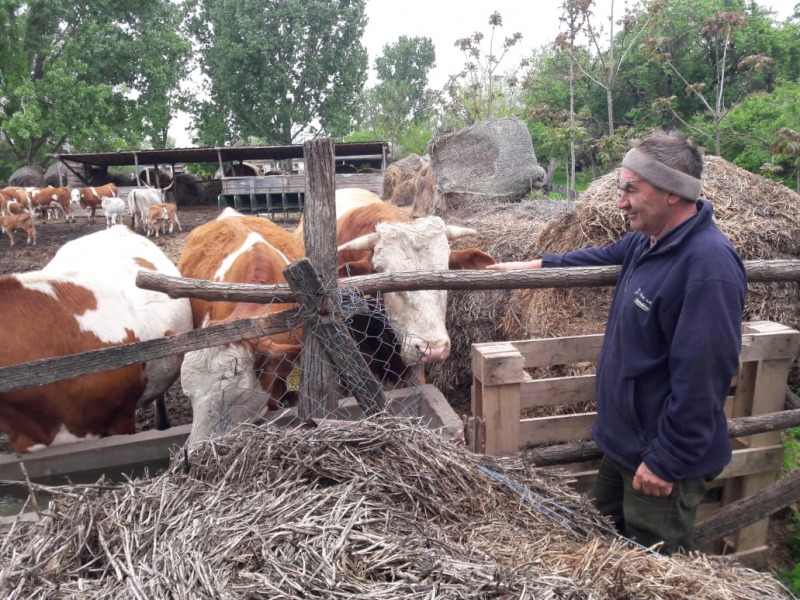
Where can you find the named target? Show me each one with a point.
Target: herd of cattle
(21, 206)
(74, 305)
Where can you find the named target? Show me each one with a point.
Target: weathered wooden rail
(65, 367)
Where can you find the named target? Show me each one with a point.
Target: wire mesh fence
(245, 380)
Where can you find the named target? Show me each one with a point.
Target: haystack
(508, 232)
(398, 180)
(761, 217)
(376, 509)
(29, 176)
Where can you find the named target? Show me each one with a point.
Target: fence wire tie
(536, 499)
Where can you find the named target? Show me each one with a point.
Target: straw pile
(509, 232)
(377, 509)
(761, 217)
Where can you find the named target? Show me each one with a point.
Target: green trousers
(649, 520)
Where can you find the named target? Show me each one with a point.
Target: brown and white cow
(19, 195)
(73, 305)
(375, 237)
(139, 201)
(160, 216)
(89, 198)
(45, 199)
(18, 222)
(234, 383)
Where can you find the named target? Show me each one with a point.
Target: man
(671, 346)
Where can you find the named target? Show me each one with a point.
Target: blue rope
(536, 499)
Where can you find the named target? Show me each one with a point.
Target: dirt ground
(51, 236)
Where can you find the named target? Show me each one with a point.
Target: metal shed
(282, 192)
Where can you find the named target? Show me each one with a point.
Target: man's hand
(648, 483)
(511, 266)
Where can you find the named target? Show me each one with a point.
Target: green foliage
(100, 75)
(754, 126)
(277, 71)
(398, 107)
(479, 91)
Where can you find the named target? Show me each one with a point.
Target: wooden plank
(501, 418)
(769, 395)
(560, 351)
(555, 430)
(496, 364)
(106, 453)
(782, 343)
(557, 391)
(755, 535)
(743, 462)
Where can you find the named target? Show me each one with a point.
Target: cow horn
(365, 242)
(169, 187)
(454, 232)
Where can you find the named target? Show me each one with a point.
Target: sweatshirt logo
(641, 301)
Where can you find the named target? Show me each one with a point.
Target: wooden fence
(504, 396)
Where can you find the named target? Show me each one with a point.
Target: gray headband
(660, 175)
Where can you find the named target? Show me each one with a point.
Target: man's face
(646, 206)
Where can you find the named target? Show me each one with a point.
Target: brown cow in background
(89, 198)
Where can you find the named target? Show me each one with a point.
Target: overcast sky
(445, 21)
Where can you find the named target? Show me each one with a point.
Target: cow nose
(434, 351)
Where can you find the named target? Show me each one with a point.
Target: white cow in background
(113, 209)
(139, 200)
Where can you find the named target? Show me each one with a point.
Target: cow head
(421, 245)
(75, 196)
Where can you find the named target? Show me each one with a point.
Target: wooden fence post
(497, 378)
(318, 394)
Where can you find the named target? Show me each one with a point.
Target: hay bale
(373, 509)
(398, 180)
(29, 176)
(508, 232)
(760, 217)
(426, 194)
(491, 159)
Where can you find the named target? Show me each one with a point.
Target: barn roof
(218, 154)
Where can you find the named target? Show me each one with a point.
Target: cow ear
(351, 269)
(471, 258)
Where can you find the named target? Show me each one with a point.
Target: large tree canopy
(277, 70)
(97, 75)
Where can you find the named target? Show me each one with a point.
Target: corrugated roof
(212, 155)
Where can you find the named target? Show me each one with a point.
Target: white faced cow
(235, 382)
(139, 200)
(89, 198)
(74, 305)
(375, 237)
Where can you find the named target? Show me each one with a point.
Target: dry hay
(28, 176)
(760, 217)
(508, 232)
(373, 509)
(398, 180)
(426, 192)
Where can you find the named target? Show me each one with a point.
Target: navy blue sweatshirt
(671, 347)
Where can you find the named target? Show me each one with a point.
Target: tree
(754, 126)
(574, 18)
(277, 70)
(717, 32)
(401, 95)
(94, 75)
(609, 62)
(474, 93)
